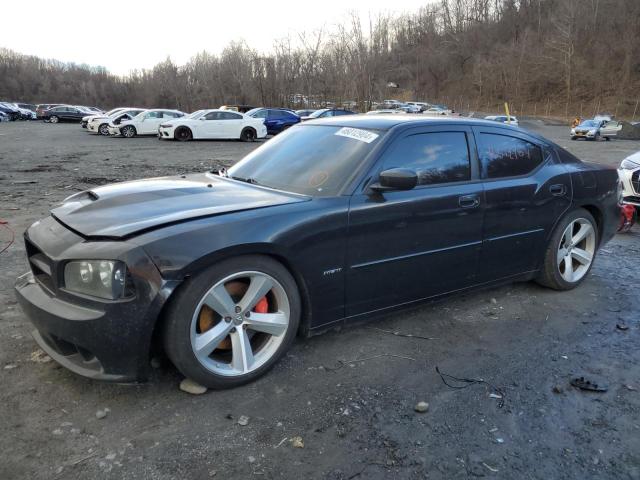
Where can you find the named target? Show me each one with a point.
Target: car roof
(388, 121)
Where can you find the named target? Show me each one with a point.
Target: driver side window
(438, 157)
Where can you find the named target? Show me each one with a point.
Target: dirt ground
(349, 395)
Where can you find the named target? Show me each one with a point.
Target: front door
(526, 191)
(409, 245)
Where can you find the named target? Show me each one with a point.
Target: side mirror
(396, 179)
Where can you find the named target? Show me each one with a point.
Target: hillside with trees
(548, 57)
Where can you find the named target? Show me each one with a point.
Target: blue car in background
(275, 119)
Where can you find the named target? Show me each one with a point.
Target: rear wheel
(248, 135)
(229, 324)
(569, 256)
(128, 131)
(54, 119)
(183, 134)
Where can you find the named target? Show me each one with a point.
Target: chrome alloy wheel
(576, 250)
(239, 323)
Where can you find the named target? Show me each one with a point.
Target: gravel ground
(349, 395)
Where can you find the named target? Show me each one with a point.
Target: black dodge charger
(331, 222)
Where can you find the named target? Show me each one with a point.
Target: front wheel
(54, 119)
(230, 324)
(104, 129)
(183, 134)
(128, 131)
(570, 253)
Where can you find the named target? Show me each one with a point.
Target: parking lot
(348, 395)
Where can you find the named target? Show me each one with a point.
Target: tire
(183, 134)
(563, 248)
(221, 363)
(103, 129)
(573, 138)
(607, 139)
(596, 137)
(248, 135)
(53, 119)
(128, 131)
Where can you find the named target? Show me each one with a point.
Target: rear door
(526, 191)
(151, 122)
(409, 245)
(232, 124)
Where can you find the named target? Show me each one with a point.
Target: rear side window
(438, 157)
(504, 156)
(230, 116)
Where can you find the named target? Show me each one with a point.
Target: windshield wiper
(247, 180)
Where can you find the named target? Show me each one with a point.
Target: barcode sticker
(357, 134)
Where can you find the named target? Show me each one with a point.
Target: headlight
(166, 125)
(629, 165)
(573, 131)
(592, 132)
(98, 278)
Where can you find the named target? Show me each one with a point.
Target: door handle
(558, 190)
(469, 201)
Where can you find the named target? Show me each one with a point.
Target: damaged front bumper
(100, 339)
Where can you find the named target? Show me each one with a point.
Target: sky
(136, 34)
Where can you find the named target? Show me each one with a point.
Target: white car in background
(436, 111)
(213, 124)
(100, 124)
(503, 119)
(145, 123)
(387, 111)
(629, 173)
(85, 120)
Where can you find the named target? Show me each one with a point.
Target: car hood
(124, 209)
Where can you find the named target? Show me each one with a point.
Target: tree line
(545, 57)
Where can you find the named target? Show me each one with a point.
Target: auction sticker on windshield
(357, 134)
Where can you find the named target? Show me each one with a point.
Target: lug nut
(238, 309)
(227, 319)
(248, 314)
(233, 330)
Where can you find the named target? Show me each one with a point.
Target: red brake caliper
(262, 306)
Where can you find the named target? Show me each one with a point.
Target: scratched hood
(123, 209)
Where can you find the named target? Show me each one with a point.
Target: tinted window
(505, 156)
(440, 157)
(153, 115)
(278, 114)
(212, 116)
(230, 116)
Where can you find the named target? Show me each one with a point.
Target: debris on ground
(557, 389)
(243, 420)
(467, 382)
(421, 407)
(622, 326)
(296, 442)
(189, 386)
(102, 413)
(584, 384)
(39, 356)
(10, 366)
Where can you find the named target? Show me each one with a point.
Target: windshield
(313, 160)
(589, 123)
(195, 114)
(317, 113)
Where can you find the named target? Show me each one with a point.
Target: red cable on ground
(5, 224)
